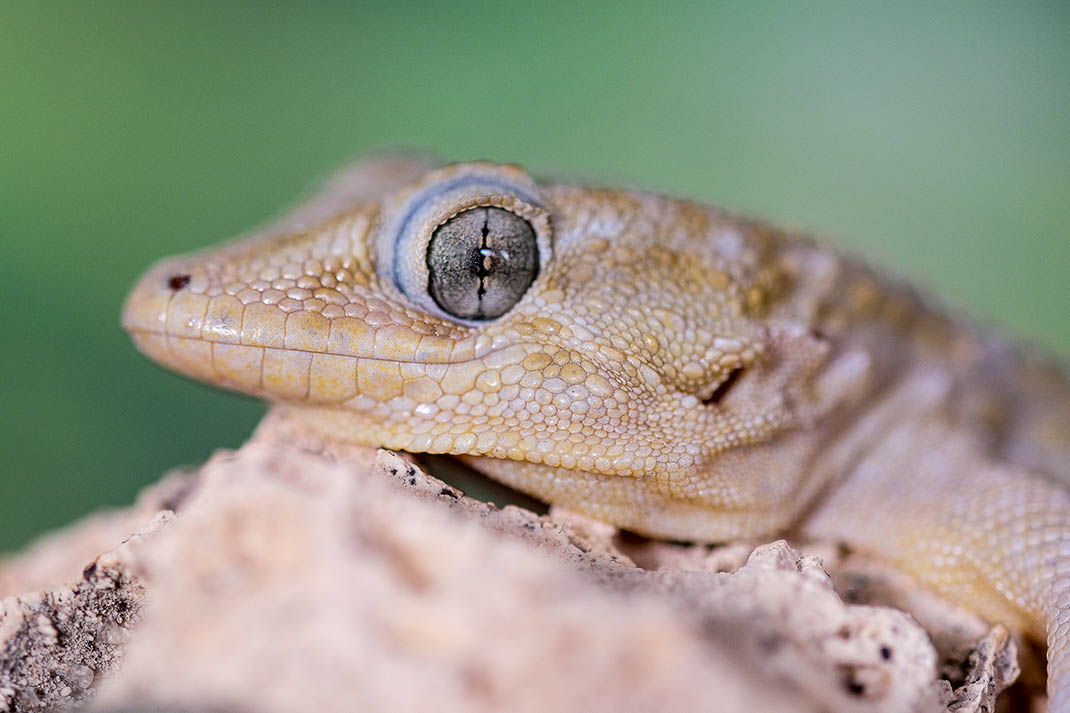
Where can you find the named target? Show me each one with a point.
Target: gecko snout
(147, 306)
(165, 314)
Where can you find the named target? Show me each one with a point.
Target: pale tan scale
(378, 379)
(185, 315)
(239, 366)
(332, 378)
(350, 336)
(272, 296)
(306, 331)
(396, 343)
(194, 356)
(222, 321)
(290, 305)
(285, 373)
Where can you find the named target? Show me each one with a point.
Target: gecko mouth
(137, 334)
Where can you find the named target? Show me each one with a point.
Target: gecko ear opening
(466, 242)
(724, 387)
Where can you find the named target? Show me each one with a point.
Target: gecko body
(654, 363)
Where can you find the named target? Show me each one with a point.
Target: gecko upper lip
(138, 332)
(157, 313)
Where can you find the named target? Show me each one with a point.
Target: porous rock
(297, 575)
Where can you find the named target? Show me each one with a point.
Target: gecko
(657, 364)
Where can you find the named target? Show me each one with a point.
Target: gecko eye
(466, 242)
(481, 262)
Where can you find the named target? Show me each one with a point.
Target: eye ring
(407, 228)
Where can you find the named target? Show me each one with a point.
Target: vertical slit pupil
(483, 256)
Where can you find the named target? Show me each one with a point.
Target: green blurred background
(933, 137)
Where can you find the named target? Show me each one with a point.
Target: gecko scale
(657, 364)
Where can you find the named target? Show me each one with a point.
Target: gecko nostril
(177, 282)
(722, 389)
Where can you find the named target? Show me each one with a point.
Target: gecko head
(471, 310)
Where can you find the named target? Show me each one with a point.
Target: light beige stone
(292, 576)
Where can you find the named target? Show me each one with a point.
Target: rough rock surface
(286, 576)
